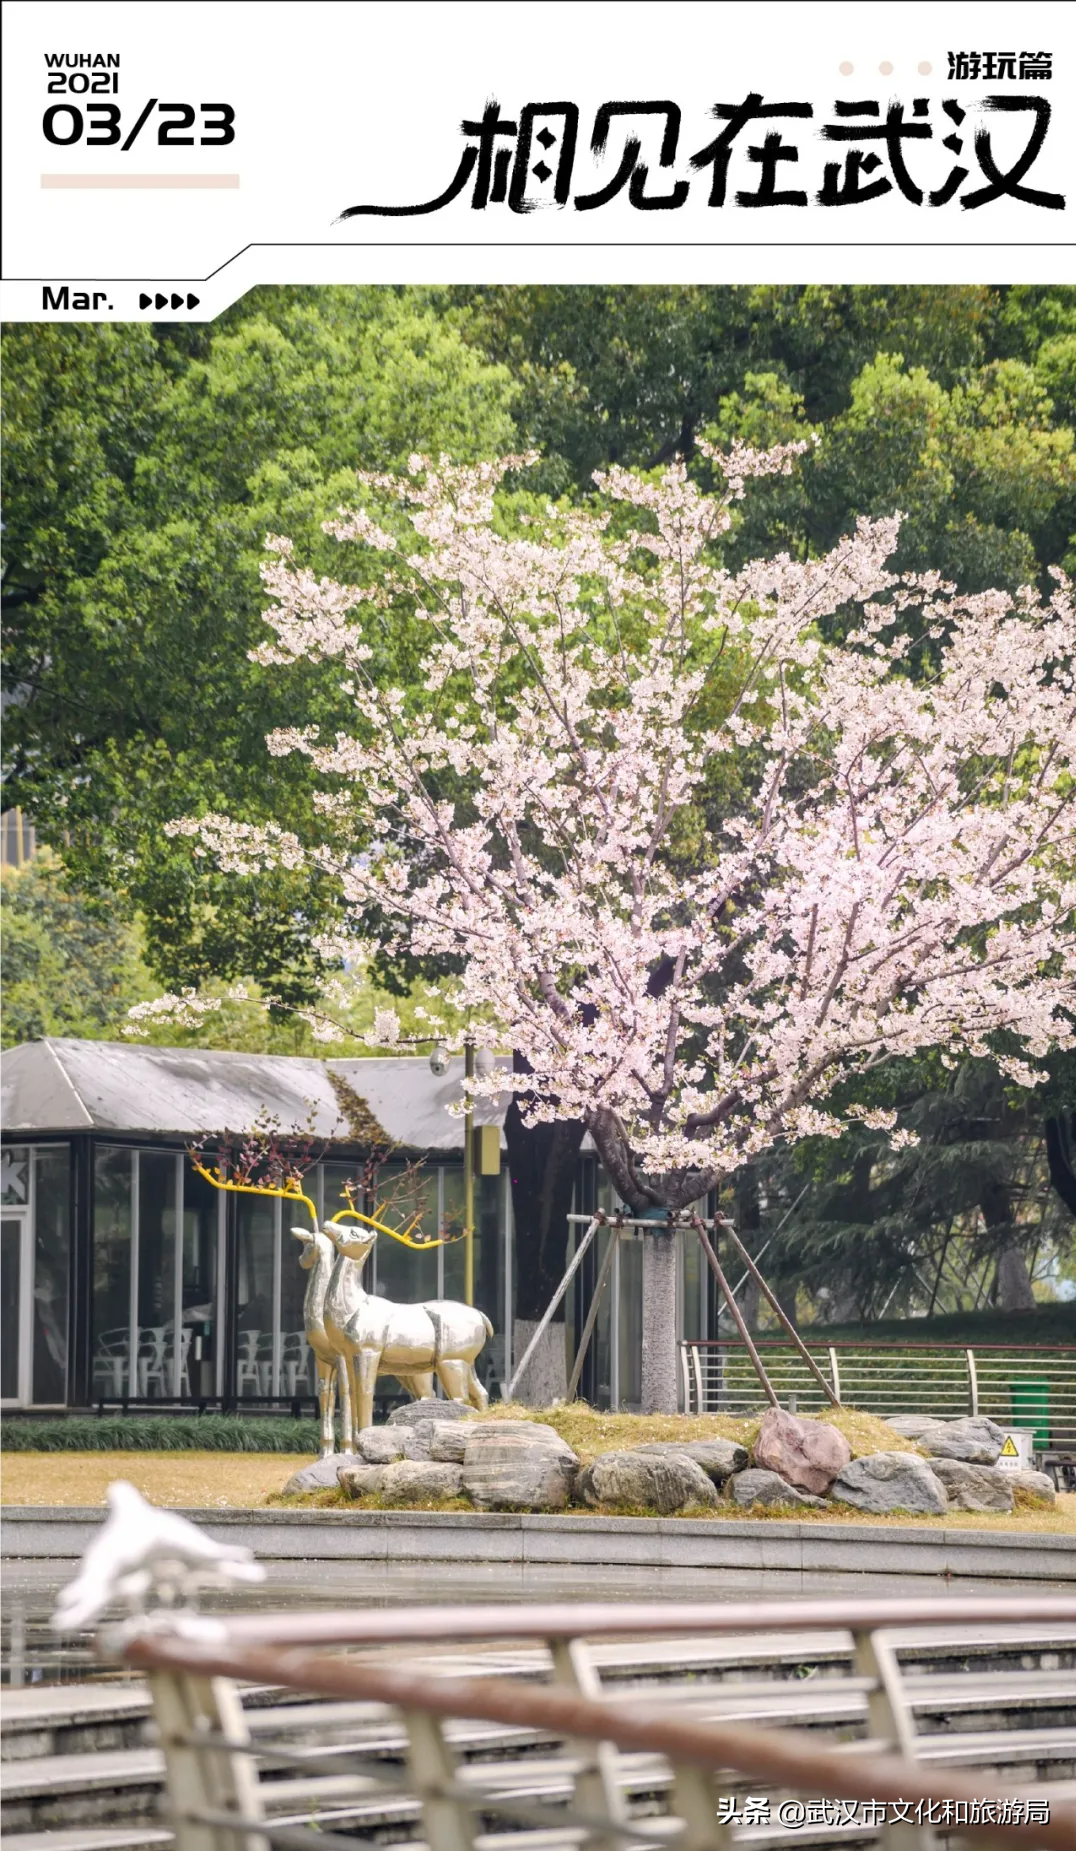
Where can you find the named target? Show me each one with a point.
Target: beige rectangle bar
(136, 182)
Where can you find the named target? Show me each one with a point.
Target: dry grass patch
(209, 1480)
(590, 1431)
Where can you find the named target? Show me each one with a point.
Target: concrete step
(74, 1719)
(105, 1838)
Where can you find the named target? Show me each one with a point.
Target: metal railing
(1016, 1385)
(573, 1760)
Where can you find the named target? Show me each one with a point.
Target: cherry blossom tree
(897, 875)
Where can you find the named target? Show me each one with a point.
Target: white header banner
(168, 157)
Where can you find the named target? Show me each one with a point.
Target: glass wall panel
(52, 1255)
(156, 1275)
(201, 1221)
(256, 1220)
(455, 1263)
(11, 1247)
(297, 1375)
(402, 1273)
(15, 1176)
(112, 1205)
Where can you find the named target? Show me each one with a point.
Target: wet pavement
(31, 1654)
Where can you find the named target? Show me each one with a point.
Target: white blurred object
(141, 1551)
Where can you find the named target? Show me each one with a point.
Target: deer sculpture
(412, 1342)
(318, 1258)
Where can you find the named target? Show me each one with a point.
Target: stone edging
(517, 1539)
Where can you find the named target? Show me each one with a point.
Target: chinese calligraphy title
(530, 162)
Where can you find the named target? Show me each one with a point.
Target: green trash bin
(1031, 1408)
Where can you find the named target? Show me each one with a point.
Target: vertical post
(614, 1327)
(448, 1820)
(889, 1722)
(278, 1232)
(507, 1237)
(597, 1788)
(835, 1371)
(468, 1182)
(204, 1779)
(133, 1339)
(177, 1286)
(973, 1382)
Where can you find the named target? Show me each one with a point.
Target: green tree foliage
(954, 404)
(69, 968)
(143, 474)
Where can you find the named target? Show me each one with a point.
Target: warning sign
(1015, 1453)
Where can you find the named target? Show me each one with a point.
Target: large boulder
(320, 1474)
(444, 1440)
(664, 1482)
(718, 1458)
(974, 1487)
(1039, 1484)
(517, 1465)
(411, 1481)
(976, 1440)
(361, 1481)
(763, 1487)
(429, 1408)
(890, 1481)
(805, 1453)
(383, 1445)
(910, 1426)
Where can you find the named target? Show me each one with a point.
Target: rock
(805, 1453)
(718, 1458)
(976, 1440)
(446, 1440)
(1039, 1484)
(360, 1481)
(412, 1480)
(517, 1465)
(910, 1426)
(665, 1481)
(764, 1487)
(429, 1408)
(320, 1475)
(382, 1445)
(890, 1481)
(974, 1487)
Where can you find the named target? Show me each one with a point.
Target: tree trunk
(659, 1324)
(1012, 1282)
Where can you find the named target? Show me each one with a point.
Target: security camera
(439, 1062)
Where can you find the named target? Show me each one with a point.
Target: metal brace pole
(715, 1268)
(547, 1316)
(786, 1322)
(592, 1316)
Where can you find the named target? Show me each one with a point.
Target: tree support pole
(772, 1302)
(592, 1315)
(726, 1293)
(547, 1315)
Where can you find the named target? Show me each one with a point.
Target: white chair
(151, 1361)
(295, 1363)
(246, 1366)
(110, 1362)
(264, 1362)
(185, 1336)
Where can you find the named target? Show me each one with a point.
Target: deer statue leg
(453, 1377)
(326, 1398)
(367, 1381)
(419, 1385)
(476, 1394)
(347, 1424)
